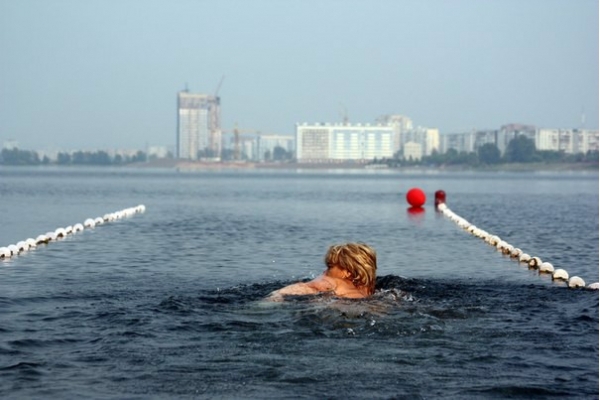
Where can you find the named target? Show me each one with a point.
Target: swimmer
(351, 271)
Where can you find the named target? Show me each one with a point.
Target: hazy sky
(101, 74)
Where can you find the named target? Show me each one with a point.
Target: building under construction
(198, 126)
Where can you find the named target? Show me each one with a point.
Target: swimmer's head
(358, 259)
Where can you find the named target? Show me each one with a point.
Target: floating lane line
(532, 262)
(28, 244)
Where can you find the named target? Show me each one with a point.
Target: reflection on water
(415, 214)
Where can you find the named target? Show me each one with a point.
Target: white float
(524, 257)
(593, 286)
(60, 232)
(5, 252)
(13, 249)
(516, 252)
(576, 282)
(51, 236)
(561, 275)
(546, 268)
(42, 239)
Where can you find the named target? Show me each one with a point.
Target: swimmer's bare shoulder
(323, 284)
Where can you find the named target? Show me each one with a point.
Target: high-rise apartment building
(198, 126)
(343, 142)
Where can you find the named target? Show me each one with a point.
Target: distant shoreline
(199, 166)
(190, 166)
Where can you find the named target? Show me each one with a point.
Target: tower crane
(219, 87)
(236, 140)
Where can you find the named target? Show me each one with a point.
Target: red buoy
(416, 197)
(440, 197)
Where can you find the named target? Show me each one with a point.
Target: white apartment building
(432, 141)
(413, 151)
(343, 142)
(427, 138)
(457, 141)
(567, 140)
(586, 140)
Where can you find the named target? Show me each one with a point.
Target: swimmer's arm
(304, 288)
(299, 288)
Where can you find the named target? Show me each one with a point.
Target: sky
(104, 74)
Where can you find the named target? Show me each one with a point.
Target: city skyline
(96, 74)
(398, 132)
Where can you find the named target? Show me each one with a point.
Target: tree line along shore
(520, 154)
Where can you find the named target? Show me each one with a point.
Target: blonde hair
(357, 258)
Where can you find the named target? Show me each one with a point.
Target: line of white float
(515, 252)
(60, 233)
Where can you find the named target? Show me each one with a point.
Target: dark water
(169, 303)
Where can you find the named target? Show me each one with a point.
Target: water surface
(170, 303)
